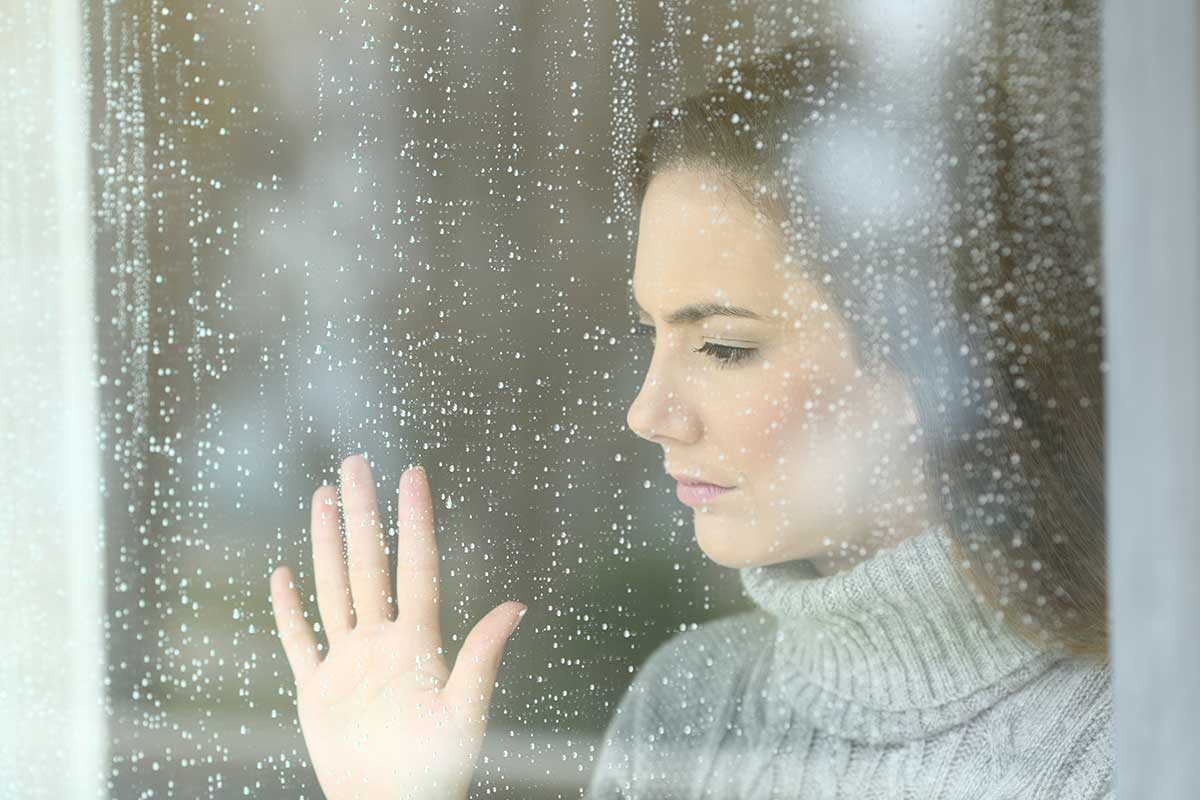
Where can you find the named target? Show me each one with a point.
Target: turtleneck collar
(895, 648)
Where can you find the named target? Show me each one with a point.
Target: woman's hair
(936, 234)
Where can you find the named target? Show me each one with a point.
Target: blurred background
(397, 229)
(403, 229)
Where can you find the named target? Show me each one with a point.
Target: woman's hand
(381, 714)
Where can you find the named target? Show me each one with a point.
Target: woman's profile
(893, 438)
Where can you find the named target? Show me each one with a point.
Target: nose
(660, 412)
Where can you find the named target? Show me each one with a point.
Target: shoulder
(696, 667)
(701, 660)
(1060, 729)
(1085, 717)
(712, 645)
(674, 693)
(1072, 697)
(706, 655)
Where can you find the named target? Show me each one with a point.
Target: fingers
(478, 661)
(299, 643)
(417, 564)
(329, 565)
(369, 580)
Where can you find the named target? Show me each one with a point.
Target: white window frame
(1152, 390)
(53, 737)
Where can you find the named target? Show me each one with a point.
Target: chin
(729, 545)
(724, 561)
(736, 546)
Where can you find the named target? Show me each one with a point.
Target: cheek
(802, 452)
(777, 416)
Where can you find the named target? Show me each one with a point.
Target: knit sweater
(892, 679)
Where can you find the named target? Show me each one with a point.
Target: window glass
(444, 233)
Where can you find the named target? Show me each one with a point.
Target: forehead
(699, 239)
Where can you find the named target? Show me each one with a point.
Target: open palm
(382, 715)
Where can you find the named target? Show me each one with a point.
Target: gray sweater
(888, 680)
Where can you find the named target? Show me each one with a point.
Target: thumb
(478, 661)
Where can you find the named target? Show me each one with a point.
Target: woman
(898, 448)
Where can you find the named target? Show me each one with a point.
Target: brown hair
(985, 298)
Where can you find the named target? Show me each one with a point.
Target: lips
(699, 494)
(696, 492)
(683, 476)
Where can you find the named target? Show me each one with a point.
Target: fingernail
(415, 476)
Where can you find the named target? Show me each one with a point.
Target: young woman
(895, 440)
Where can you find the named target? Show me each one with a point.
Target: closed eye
(725, 355)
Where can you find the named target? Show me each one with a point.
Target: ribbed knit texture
(892, 679)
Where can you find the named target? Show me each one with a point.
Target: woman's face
(768, 400)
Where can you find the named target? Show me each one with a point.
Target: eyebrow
(700, 311)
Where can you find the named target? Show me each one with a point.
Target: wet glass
(411, 232)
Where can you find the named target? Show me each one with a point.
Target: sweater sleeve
(641, 754)
(630, 760)
(612, 778)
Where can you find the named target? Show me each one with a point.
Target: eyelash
(725, 355)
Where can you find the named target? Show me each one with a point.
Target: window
(245, 241)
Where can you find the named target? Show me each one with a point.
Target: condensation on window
(413, 231)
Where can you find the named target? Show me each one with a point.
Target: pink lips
(696, 494)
